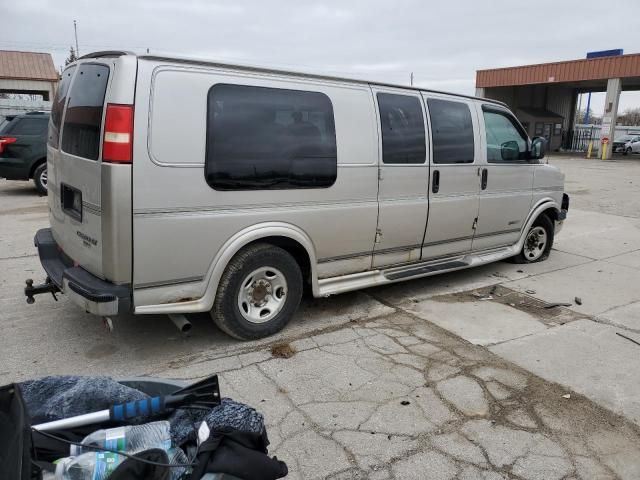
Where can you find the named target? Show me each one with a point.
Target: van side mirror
(538, 148)
(510, 151)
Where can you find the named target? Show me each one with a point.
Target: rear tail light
(4, 141)
(118, 134)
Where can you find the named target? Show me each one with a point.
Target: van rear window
(58, 106)
(262, 138)
(82, 127)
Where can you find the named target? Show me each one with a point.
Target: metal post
(577, 119)
(75, 31)
(610, 117)
(586, 113)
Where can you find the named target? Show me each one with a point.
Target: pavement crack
(19, 256)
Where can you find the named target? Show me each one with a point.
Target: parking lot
(475, 374)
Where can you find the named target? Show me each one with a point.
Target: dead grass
(282, 350)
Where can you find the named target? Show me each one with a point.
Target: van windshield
(82, 127)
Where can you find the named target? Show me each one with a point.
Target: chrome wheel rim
(535, 243)
(43, 177)
(262, 294)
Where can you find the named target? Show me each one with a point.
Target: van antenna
(75, 32)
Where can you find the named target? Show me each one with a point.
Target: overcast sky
(442, 42)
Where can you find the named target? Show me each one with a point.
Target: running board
(423, 270)
(372, 278)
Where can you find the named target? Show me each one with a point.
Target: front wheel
(259, 292)
(40, 178)
(538, 242)
(628, 151)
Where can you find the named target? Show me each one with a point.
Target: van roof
(262, 69)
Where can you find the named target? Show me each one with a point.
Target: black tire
(546, 223)
(226, 311)
(41, 187)
(628, 151)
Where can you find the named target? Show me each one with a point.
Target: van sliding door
(404, 173)
(455, 183)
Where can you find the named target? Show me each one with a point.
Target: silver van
(180, 186)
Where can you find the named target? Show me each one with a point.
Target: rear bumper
(14, 169)
(95, 295)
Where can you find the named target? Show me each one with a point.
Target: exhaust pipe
(181, 322)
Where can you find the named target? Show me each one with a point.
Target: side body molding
(226, 253)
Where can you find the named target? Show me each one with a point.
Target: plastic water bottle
(88, 466)
(87, 463)
(100, 465)
(129, 439)
(177, 457)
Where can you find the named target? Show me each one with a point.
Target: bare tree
(631, 116)
(593, 119)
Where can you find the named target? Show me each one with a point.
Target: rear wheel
(258, 293)
(538, 242)
(40, 178)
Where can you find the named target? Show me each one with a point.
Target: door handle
(485, 174)
(435, 185)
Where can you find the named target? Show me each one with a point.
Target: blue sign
(605, 53)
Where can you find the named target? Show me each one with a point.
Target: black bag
(131, 469)
(241, 454)
(16, 448)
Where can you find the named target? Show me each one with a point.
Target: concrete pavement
(484, 365)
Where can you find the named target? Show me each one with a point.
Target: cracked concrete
(356, 408)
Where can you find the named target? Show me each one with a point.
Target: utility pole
(75, 31)
(412, 79)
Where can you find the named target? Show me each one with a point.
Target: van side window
(262, 138)
(402, 125)
(505, 142)
(81, 135)
(452, 131)
(58, 106)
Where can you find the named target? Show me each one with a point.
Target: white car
(627, 144)
(633, 146)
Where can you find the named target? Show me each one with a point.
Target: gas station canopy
(588, 74)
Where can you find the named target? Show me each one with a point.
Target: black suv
(23, 149)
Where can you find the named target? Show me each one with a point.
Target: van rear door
(89, 158)
(73, 166)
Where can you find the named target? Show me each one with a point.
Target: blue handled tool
(203, 394)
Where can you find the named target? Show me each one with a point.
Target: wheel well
(295, 249)
(551, 213)
(35, 165)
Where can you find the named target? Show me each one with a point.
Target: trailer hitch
(47, 287)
